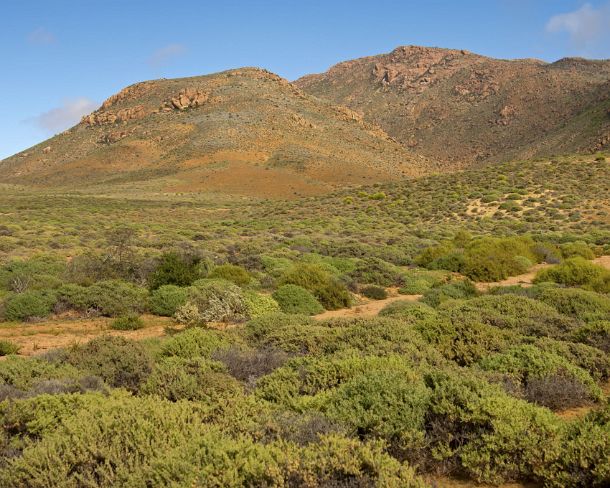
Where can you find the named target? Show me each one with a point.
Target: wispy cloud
(66, 115)
(41, 36)
(585, 27)
(166, 54)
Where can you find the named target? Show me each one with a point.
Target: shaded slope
(459, 107)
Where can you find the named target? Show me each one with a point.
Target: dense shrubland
(451, 381)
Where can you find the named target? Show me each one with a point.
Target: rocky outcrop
(129, 93)
(110, 117)
(187, 98)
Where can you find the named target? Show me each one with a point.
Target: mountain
(461, 108)
(244, 131)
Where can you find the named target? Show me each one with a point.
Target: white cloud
(41, 36)
(166, 54)
(585, 26)
(66, 115)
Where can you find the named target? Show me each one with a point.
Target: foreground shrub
(127, 322)
(174, 269)
(295, 299)
(29, 305)
(7, 348)
(451, 291)
(248, 365)
(213, 301)
(109, 298)
(595, 334)
(327, 290)
(542, 374)
(167, 299)
(121, 363)
(577, 248)
(577, 272)
(374, 292)
(194, 379)
(375, 271)
(193, 343)
(582, 304)
(232, 273)
(408, 310)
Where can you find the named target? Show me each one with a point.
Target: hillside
(458, 107)
(245, 132)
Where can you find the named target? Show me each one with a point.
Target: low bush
(127, 322)
(230, 272)
(248, 365)
(295, 299)
(576, 248)
(375, 271)
(408, 310)
(577, 272)
(121, 363)
(109, 298)
(193, 343)
(174, 269)
(327, 290)
(584, 305)
(595, 334)
(213, 301)
(450, 291)
(374, 292)
(258, 304)
(195, 379)
(167, 299)
(29, 305)
(418, 281)
(7, 348)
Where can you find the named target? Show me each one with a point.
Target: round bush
(374, 292)
(232, 273)
(577, 272)
(29, 305)
(297, 300)
(327, 290)
(411, 311)
(127, 322)
(258, 304)
(166, 299)
(213, 301)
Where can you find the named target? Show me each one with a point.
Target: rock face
(187, 98)
(101, 117)
(460, 108)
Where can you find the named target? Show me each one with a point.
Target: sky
(62, 58)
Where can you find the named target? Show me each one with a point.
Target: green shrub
(450, 291)
(408, 310)
(193, 343)
(581, 304)
(374, 292)
(524, 364)
(29, 305)
(166, 299)
(595, 334)
(418, 281)
(121, 363)
(196, 379)
(36, 273)
(109, 298)
(589, 358)
(127, 322)
(25, 373)
(327, 290)
(7, 348)
(295, 299)
(375, 271)
(258, 304)
(232, 273)
(577, 248)
(577, 272)
(173, 269)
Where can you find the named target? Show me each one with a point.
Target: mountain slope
(459, 107)
(244, 131)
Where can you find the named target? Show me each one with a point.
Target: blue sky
(62, 58)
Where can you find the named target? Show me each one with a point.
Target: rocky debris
(120, 116)
(478, 86)
(602, 143)
(302, 121)
(506, 114)
(114, 136)
(47, 150)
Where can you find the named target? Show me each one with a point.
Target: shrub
(294, 299)
(408, 310)
(173, 269)
(127, 322)
(195, 379)
(418, 281)
(26, 373)
(258, 304)
(232, 273)
(582, 304)
(250, 364)
(7, 348)
(167, 299)
(577, 272)
(595, 334)
(29, 305)
(375, 271)
(374, 292)
(36, 273)
(327, 290)
(577, 248)
(527, 363)
(193, 343)
(450, 291)
(109, 298)
(213, 301)
(119, 362)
